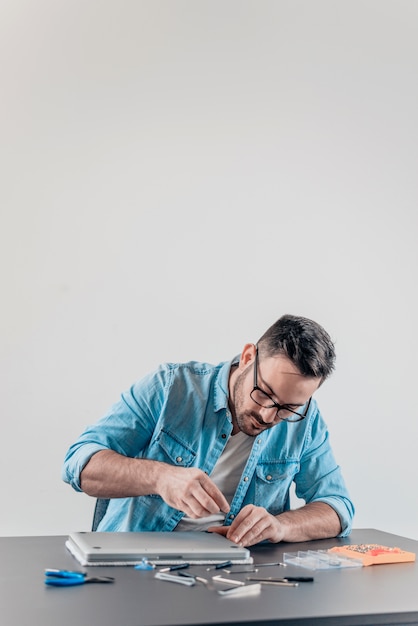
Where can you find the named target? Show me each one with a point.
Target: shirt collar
(221, 386)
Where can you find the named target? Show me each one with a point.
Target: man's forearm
(316, 520)
(112, 475)
(187, 489)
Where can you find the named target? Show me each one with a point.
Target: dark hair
(304, 342)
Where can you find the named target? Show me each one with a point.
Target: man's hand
(315, 520)
(190, 490)
(112, 475)
(252, 525)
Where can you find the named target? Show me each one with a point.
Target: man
(194, 446)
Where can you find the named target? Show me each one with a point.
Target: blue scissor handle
(64, 582)
(64, 573)
(64, 578)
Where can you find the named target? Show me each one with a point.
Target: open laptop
(123, 548)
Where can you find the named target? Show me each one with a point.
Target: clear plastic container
(319, 559)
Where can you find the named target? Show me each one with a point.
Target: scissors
(67, 578)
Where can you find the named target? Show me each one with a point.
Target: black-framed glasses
(283, 412)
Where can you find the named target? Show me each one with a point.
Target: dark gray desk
(383, 594)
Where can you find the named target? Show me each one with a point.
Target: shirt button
(223, 436)
(258, 440)
(179, 459)
(269, 477)
(231, 516)
(246, 478)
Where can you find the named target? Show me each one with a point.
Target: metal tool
(189, 581)
(208, 583)
(240, 571)
(172, 568)
(288, 581)
(246, 590)
(230, 581)
(270, 581)
(270, 564)
(219, 565)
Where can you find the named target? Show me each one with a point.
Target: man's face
(277, 377)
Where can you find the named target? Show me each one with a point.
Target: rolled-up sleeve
(126, 429)
(320, 478)
(76, 459)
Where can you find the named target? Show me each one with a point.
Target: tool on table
(246, 590)
(172, 568)
(230, 581)
(269, 581)
(294, 579)
(208, 583)
(67, 578)
(189, 581)
(240, 571)
(269, 564)
(220, 565)
(239, 587)
(288, 581)
(187, 575)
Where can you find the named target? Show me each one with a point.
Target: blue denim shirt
(179, 415)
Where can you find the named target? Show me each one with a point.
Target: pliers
(67, 578)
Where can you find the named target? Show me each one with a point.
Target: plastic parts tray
(319, 559)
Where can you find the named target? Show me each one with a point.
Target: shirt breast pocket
(169, 449)
(272, 485)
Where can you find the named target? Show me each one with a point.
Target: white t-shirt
(226, 475)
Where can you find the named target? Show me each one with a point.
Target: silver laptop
(122, 548)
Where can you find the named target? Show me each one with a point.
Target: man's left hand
(252, 525)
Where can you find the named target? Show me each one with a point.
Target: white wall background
(175, 175)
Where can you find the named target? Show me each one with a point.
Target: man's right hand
(190, 490)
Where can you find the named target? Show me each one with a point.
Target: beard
(248, 422)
